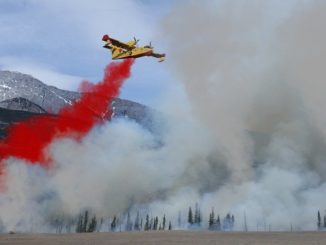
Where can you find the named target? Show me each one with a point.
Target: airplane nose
(105, 38)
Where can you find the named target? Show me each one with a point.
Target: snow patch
(5, 86)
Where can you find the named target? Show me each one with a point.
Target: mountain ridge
(27, 96)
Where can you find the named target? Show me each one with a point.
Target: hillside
(22, 96)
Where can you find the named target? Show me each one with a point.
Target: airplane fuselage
(121, 50)
(119, 53)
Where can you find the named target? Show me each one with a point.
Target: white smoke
(257, 66)
(248, 137)
(116, 166)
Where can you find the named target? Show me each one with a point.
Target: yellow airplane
(121, 50)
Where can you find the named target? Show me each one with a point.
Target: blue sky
(59, 41)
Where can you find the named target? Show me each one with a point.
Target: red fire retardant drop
(29, 139)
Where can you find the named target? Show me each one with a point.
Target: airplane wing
(120, 44)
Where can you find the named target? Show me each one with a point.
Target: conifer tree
(92, 225)
(137, 225)
(79, 226)
(211, 221)
(227, 222)
(146, 227)
(154, 224)
(114, 223)
(85, 223)
(141, 224)
(179, 219)
(129, 223)
(232, 221)
(164, 220)
(100, 225)
(190, 217)
(151, 223)
(245, 222)
(197, 218)
(318, 220)
(170, 226)
(218, 223)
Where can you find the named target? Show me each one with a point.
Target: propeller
(149, 45)
(136, 40)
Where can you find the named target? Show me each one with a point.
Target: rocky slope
(21, 104)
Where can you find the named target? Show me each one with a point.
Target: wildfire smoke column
(29, 139)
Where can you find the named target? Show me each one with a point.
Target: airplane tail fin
(105, 38)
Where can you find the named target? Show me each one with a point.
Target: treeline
(195, 220)
(84, 225)
(149, 224)
(226, 224)
(86, 222)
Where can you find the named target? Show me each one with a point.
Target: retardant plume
(29, 139)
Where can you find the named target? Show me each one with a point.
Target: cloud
(66, 36)
(41, 72)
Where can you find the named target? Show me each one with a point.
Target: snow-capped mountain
(15, 84)
(21, 96)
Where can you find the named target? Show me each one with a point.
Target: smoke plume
(254, 75)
